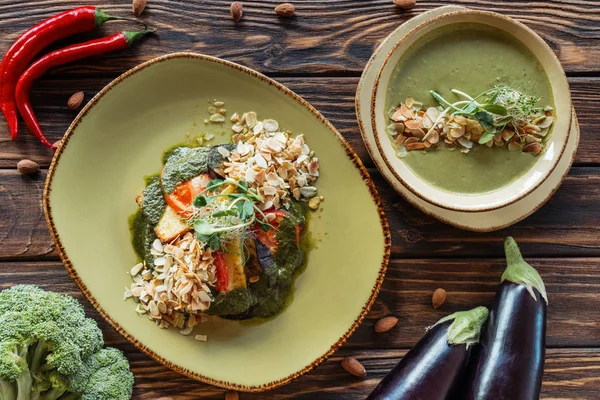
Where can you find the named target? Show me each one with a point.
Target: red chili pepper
(22, 52)
(59, 57)
(222, 275)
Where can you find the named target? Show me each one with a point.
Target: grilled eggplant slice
(215, 160)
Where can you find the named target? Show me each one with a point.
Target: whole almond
(237, 10)
(405, 4)
(138, 7)
(438, 298)
(57, 144)
(28, 167)
(354, 367)
(231, 396)
(285, 10)
(385, 324)
(75, 100)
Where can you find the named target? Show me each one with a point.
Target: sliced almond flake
(157, 245)
(217, 118)
(136, 269)
(201, 338)
(465, 142)
(186, 331)
(270, 125)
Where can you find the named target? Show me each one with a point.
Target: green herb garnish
(494, 109)
(222, 217)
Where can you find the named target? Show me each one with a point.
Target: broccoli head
(48, 346)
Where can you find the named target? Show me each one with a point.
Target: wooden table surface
(320, 55)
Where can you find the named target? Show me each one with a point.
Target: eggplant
(216, 160)
(509, 363)
(435, 368)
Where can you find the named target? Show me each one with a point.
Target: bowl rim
(472, 208)
(350, 153)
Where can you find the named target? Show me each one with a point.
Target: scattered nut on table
(28, 167)
(138, 7)
(354, 367)
(405, 4)
(438, 298)
(385, 324)
(75, 100)
(236, 10)
(285, 10)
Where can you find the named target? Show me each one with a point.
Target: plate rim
(350, 153)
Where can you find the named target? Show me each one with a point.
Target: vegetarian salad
(218, 229)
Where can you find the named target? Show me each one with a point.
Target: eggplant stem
(466, 326)
(520, 272)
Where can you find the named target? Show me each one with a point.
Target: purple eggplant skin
(510, 357)
(434, 369)
(509, 362)
(429, 371)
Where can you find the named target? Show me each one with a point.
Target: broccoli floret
(48, 346)
(105, 375)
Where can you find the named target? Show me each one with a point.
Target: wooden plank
(573, 286)
(568, 225)
(569, 374)
(573, 320)
(334, 97)
(325, 38)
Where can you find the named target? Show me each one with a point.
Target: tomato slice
(222, 275)
(182, 197)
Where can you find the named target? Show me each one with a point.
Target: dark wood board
(333, 97)
(573, 327)
(320, 54)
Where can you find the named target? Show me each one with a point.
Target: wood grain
(320, 54)
(333, 97)
(568, 225)
(573, 284)
(573, 321)
(325, 37)
(569, 374)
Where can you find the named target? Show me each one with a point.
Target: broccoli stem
(52, 394)
(8, 390)
(38, 355)
(24, 383)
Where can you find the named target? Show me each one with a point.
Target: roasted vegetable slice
(234, 259)
(216, 159)
(435, 368)
(170, 226)
(510, 361)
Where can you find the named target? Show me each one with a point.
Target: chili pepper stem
(520, 272)
(100, 17)
(131, 37)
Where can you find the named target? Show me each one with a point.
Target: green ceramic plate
(119, 138)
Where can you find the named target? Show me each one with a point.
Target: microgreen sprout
(494, 109)
(223, 215)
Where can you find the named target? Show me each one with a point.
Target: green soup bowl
(555, 143)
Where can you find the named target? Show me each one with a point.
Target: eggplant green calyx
(521, 273)
(466, 326)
